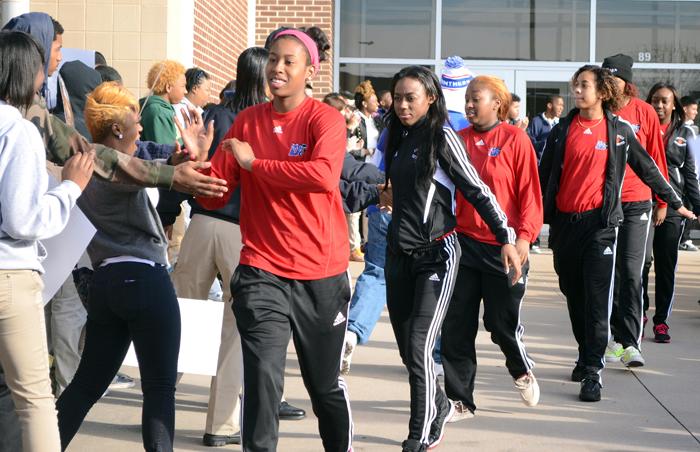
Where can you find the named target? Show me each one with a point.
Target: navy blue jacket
(538, 130)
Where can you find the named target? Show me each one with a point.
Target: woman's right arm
(29, 210)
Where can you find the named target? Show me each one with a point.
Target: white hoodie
(29, 211)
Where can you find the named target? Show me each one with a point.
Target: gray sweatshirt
(126, 221)
(29, 211)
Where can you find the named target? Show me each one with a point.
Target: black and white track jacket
(422, 213)
(681, 168)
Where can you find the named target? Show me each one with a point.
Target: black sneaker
(412, 445)
(437, 429)
(290, 413)
(578, 373)
(221, 440)
(590, 390)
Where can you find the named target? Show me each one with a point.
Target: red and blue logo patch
(297, 150)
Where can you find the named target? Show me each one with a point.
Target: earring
(120, 136)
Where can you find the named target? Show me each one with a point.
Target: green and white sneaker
(632, 357)
(613, 352)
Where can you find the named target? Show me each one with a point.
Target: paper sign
(200, 340)
(64, 250)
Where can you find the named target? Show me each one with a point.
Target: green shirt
(158, 120)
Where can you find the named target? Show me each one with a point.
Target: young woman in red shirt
(581, 174)
(287, 155)
(633, 241)
(505, 160)
(666, 236)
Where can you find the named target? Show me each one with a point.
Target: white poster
(200, 340)
(64, 250)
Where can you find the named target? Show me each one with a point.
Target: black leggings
(128, 301)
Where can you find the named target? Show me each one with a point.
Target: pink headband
(308, 43)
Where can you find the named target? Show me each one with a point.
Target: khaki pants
(354, 237)
(24, 358)
(179, 228)
(210, 246)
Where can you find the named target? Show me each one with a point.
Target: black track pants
(667, 237)
(584, 259)
(419, 287)
(269, 309)
(481, 276)
(626, 318)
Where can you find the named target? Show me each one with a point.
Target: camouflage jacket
(62, 141)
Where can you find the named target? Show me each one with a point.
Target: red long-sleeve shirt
(292, 220)
(582, 180)
(645, 124)
(507, 163)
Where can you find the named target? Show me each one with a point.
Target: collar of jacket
(419, 126)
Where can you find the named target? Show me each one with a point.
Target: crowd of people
(438, 185)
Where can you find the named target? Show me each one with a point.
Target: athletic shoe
(437, 429)
(461, 412)
(221, 440)
(350, 344)
(661, 334)
(687, 246)
(357, 256)
(632, 357)
(122, 381)
(535, 249)
(578, 373)
(613, 352)
(412, 445)
(644, 324)
(590, 390)
(288, 412)
(529, 389)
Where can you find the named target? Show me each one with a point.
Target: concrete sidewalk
(656, 407)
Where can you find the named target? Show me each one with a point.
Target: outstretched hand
(188, 180)
(195, 136)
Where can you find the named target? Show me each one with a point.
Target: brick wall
(272, 14)
(220, 35)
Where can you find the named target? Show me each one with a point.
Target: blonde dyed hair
(108, 104)
(162, 74)
(365, 89)
(498, 90)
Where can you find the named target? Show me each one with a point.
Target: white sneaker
(632, 357)
(536, 249)
(461, 412)
(613, 352)
(688, 246)
(529, 389)
(439, 370)
(350, 344)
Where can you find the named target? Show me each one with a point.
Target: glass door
(535, 86)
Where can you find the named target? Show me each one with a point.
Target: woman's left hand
(195, 136)
(511, 262)
(179, 155)
(659, 215)
(523, 248)
(687, 214)
(242, 151)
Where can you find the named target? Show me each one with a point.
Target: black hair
(194, 77)
(436, 119)
(514, 98)
(21, 58)
(677, 117)
(604, 84)
(688, 100)
(382, 93)
(323, 44)
(229, 88)
(552, 97)
(359, 98)
(250, 80)
(100, 59)
(57, 28)
(108, 73)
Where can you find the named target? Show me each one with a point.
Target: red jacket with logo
(292, 219)
(645, 124)
(507, 163)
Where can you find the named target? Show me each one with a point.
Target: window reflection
(556, 30)
(649, 31)
(387, 28)
(380, 74)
